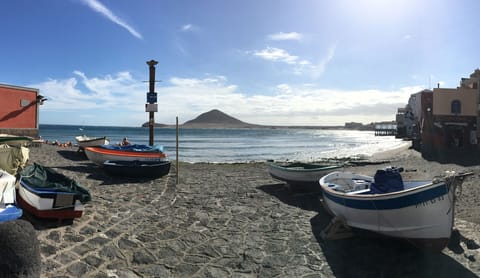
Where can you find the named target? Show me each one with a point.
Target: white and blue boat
(420, 211)
(299, 174)
(47, 193)
(8, 209)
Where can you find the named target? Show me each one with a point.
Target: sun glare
(378, 11)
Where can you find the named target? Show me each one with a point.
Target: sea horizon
(233, 145)
(219, 126)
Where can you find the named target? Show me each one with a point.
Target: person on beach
(125, 142)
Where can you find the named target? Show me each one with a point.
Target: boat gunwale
(90, 139)
(383, 196)
(103, 151)
(143, 163)
(318, 169)
(42, 192)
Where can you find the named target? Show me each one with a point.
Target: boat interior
(358, 186)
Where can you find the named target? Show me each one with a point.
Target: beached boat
(100, 154)
(8, 208)
(420, 211)
(13, 158)
(46, 193)
(85, 141)
(14, 140)
(137, 169)
(301, 174)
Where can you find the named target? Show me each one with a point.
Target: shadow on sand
(306, 200)
(97, 173)
(368, 254)
(460, 157)
(45, 223)
(94, 171)
(73, 155)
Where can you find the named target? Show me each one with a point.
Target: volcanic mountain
(215, 119)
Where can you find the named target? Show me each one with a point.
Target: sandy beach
(234, 220)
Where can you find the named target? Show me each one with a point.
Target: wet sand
(234, 220)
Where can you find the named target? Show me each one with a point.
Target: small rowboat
(46, 193)
(8, 208)
(85, 141)
(137, 169)
(300, 174)
(14, 140)
(420, 211)
(100, 154)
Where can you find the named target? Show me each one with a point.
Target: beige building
(455, 102)
(455, 118)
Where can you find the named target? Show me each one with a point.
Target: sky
(271, 62)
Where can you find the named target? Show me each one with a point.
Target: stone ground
(221, 220)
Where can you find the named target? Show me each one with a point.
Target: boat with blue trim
(420, 211)
(100, 154)
(47, 193)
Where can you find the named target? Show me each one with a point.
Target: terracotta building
(19, 110)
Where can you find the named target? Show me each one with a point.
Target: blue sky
(280, 62)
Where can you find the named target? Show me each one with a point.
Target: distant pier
(385, 130)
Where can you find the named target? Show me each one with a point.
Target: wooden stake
(336, 229)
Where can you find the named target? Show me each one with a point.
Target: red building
(19, 107)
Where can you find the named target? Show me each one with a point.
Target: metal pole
(176, 161)
(151, 64)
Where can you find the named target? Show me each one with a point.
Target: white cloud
(276, 54)
(119, 99)
(281, 36)
(301, 66)
(319, 69)
(187, 27)
(103, 10)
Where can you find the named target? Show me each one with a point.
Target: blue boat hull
(11, 212)
(137, 169)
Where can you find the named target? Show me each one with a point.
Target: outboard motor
(386, 181)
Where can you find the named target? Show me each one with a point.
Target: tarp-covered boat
(13, 158)
(46, 193)
(8, 208)
(100, 154)
(301, 174)
(138, 169)
(420, 211)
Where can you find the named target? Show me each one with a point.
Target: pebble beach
(234, 220)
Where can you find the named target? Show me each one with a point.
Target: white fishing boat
(299, 173)
(46, 193)
(420, 211)
(85, 141)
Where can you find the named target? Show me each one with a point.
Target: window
(456, 107)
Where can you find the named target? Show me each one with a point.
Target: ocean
(239, 145)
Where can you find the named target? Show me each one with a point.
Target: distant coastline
(226, 126)
(216, 119)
